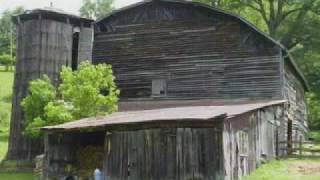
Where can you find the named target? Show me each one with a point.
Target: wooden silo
(47, 39)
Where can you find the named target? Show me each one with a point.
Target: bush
(7, 61)
(78, 96)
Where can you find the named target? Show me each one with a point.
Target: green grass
(6, 83)
(289, 169)
(16, 176)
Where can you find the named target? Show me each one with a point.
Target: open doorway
(75, 49)
(289, 136)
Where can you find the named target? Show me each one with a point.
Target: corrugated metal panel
(196, 113)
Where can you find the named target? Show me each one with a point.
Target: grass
(16, 176)
(288, 169)
(6, 83)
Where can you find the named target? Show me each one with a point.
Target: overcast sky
(71, 6)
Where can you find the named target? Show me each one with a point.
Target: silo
(47, 39)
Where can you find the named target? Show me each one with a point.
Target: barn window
(159, 87)
(243, 142)
(75, 48)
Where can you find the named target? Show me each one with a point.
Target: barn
(204, 95)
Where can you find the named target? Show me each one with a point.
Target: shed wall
(164, 154)
(250, 140)
(295, 94)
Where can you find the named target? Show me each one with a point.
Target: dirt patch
(309, 168)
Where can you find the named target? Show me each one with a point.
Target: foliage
(79, 95)
(7, 31)
(7, 61)
(85, 87)
(96, 9)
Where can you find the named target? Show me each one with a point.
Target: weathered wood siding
(250, 140)
(294, 92)
(201, 53)
(85, 44)
(164, 154)
(43, 47)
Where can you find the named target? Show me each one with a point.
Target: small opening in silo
(75, 48)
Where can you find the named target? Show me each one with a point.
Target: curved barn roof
(287, 55)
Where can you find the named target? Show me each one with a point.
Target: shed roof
(202, 5)
(193, 113)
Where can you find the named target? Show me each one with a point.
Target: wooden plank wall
(43, 47)
(263, 130)
(201, 54)
(85, 44)
(164, 154)
(295, 94)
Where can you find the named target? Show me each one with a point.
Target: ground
(286, 169)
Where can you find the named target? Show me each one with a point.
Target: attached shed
(199, 142)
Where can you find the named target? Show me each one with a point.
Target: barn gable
(196, 51)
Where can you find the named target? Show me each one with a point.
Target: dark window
(75, 48)
(159, 87)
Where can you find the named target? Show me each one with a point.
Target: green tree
(96, 9)
(89, 91)
(7, 31)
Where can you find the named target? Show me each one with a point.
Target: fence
(302, 148)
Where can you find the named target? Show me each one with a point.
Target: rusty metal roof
(193, 113)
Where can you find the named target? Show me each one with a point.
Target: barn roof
(241, 19)
(194, 113)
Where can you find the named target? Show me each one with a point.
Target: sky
(71, 6)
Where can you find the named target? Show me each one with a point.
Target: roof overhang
(194, 114)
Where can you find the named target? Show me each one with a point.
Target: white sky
(71, 6)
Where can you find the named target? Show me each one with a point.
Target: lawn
(289, 169)
(6, 82)
(16, 176)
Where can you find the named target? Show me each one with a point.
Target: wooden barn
(204, 95)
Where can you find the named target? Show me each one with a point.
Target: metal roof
(193, 113)
(197, 4)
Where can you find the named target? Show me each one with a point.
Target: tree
(281, 18)
(7, 31)
(89, 91)
(96, 9)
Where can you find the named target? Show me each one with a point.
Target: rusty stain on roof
(193, 113)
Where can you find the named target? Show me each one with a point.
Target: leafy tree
(41, 92)
(85, 87)
(96, 9)
(7, 31)
(79, 95)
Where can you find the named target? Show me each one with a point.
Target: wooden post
(300, 146)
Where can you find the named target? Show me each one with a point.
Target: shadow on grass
(3, 137)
